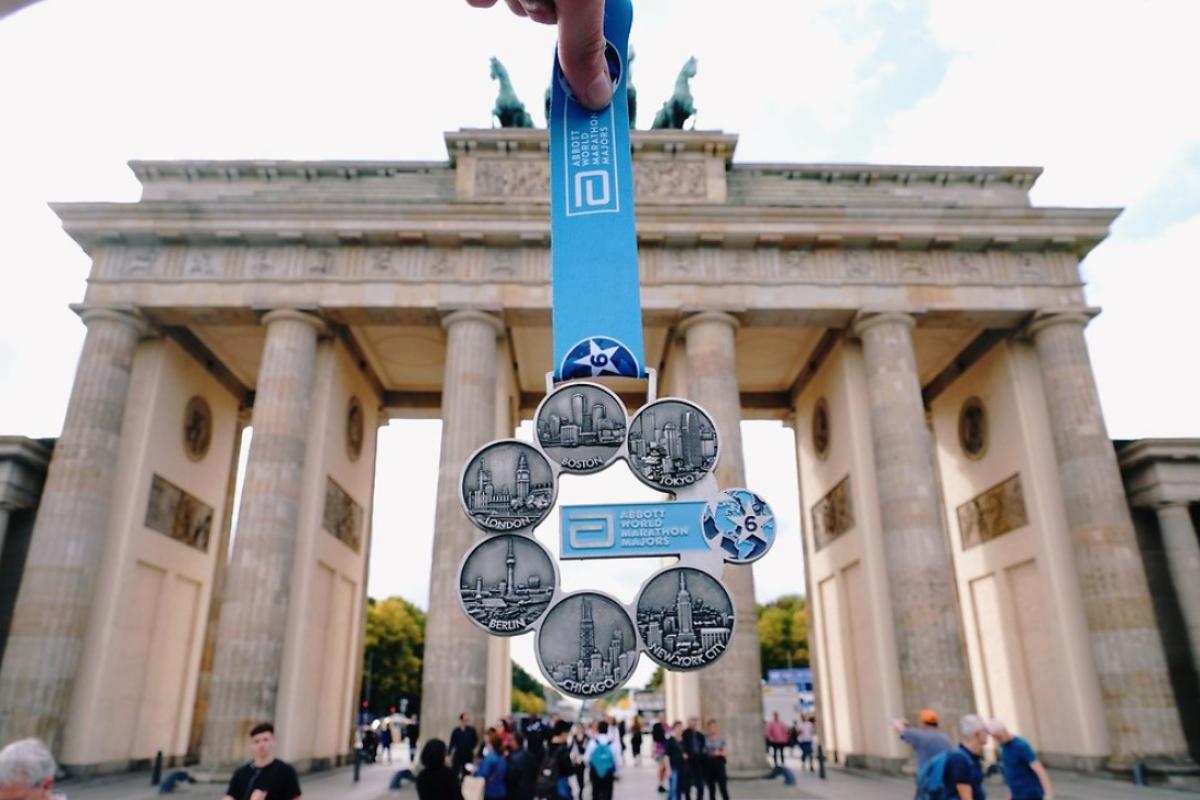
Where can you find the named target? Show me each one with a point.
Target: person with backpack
(926, 741)
(555, 768)
(601, 759)
(1025, 775)
(956, 774)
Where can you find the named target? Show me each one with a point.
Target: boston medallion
(581, 426)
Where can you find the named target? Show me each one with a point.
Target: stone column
(254, 606)
(729, 690)
(456, 652)
(57, 591)
(929, 638)
(1183, 560)
(1138, 701)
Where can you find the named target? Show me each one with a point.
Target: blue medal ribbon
(593, 253)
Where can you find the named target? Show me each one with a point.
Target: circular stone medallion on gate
(507, 485)
(685, 618)
(587, 646)
(741, 524)
(506, 583)
(672, 444)
(581, 426)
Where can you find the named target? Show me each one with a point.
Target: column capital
(1044, 318)
(450, 317)
(128, 315)
(710, 315)
(864, 320)
(298, 316)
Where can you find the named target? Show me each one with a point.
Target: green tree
(393, 654)
(656, 680)
(528, 694)
(783, 633)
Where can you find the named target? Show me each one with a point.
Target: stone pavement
(636, 783)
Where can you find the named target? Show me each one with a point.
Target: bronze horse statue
(509, 109)
(681, 106)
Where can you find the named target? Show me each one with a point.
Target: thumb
(581, 51)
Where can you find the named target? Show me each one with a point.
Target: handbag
(472, 787)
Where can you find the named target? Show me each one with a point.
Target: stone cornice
(282, 223)
(533, 140)
(904, 174)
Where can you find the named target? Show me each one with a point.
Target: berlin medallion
(672, 444)
(506, 583)
(587, 646)
(581, 426)
(507, 485)
(685, 618)
(741, 524)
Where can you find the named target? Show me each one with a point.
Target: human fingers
(481, 3)
(516, 7)
(542, 11)
(581, 51)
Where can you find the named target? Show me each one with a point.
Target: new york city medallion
(672, 444)
(506, 583)
(741, 524)
(581, 426)
(685, 617)
(507, 485)
(587, 646)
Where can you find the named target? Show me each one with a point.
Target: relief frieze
(173, 512)
(833, 514)
(342, 517)
(528, 179)
(993, 513)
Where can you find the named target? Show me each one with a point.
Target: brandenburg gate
(920, 328)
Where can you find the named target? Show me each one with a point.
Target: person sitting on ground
(27, 771)
(1025, 775)
(963, 775)
(436, 781)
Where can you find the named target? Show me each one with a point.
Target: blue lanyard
(593, 253)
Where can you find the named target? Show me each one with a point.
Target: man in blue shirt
(1025, 775)
(963, 778)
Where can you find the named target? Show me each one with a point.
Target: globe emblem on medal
(741, 524)
(581, 427)
(507, 485)
(685, 618)
(587, 645)
(672, 444)
(597, 356)
(506, 583)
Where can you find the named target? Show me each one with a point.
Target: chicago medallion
(685, 617)
(506, 583)
(507, 485)
(587, 646)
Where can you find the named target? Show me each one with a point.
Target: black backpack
(547, 779)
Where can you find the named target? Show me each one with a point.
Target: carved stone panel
(670, 181)
(512, 179)
(993, 513)
(175, 513)
(343, 516)
(833, 514)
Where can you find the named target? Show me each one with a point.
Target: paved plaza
(636, 783)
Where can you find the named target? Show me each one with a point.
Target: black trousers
(602, 788)
(714, 776)
(777, 753)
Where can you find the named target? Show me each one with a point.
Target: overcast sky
(1099, 93)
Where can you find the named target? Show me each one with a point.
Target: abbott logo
(591, 189)
(591, 530)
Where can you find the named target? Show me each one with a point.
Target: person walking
(521, 777)
(714, 762)
(658, 735)
(926, 741)
(27, 771)
(1024, 773)
(693, 757)
(673, 757)
(493, 769)
(579, 747)
(412, 732)
(385, 740)
(264, 777)
(805, 731)
(777, 737)
(601, 758)
(463, 741)
(635, 740)
(553, 781)
(436, 781)
(963, 775)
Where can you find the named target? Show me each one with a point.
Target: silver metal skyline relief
(506, 583)
(507, 485)
(685, 617)
(672, 444)
(581, 427)
(587, 646)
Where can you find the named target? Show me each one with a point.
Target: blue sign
(593, 245)
(631, 530)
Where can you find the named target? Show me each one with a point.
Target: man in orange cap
(927, 741)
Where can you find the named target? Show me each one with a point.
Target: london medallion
(507, 485)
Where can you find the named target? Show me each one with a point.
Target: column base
(749, 773)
